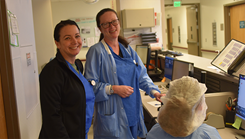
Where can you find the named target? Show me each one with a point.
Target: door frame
(227, 25)
(7, 78)
(199, 24)
(3, 131)
(170, 33)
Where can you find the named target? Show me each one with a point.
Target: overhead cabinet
(138, 18)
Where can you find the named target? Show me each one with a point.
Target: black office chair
(148, 53)
(155, 72)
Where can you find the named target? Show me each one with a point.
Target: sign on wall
(89, 32)
(242, 24)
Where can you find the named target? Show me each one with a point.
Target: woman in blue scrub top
(67, 98)
(119, 74)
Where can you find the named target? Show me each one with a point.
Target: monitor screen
(181, 68)
(168, 68)
(240, 108)
(228, 54)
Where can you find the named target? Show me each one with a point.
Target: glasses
(113, 22)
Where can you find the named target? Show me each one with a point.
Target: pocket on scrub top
(108, 125)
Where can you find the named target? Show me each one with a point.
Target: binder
(231, 59)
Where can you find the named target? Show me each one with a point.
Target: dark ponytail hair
(120, 38)
(60, 25)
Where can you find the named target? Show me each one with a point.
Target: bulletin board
(89, 32)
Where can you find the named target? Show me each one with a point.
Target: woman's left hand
(158, 96)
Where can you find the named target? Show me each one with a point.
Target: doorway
(237, 19)
(187, 37)
(234, 18)
(170, 33)
(3, 131)
(192, 30)
(8, 102)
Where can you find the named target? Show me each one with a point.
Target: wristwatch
(111, 90)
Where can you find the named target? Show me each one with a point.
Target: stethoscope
(135, 63)
(132, 57)
(109, 52)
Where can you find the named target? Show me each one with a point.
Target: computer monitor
(142, 51)
(240, 108)
(168, 67)
(175, 69)
(182, 68)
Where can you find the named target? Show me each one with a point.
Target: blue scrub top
(203, 132)
(127, 75)
(89, 97)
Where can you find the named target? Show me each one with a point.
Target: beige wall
(178, 15)
(62, 10)
(210, 11)
(43, 27)
(47, 13)
(183, 1)
(141, 4)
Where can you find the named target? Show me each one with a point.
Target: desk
(216, 80)
(151, 112)
(149, 108)
(230, 133)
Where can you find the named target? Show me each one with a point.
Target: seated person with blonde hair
(183, 113)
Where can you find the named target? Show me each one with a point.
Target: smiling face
(70, 42)
(112, 32)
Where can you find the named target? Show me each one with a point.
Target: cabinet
(215, 83)
(138, 18)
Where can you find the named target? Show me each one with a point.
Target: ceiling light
(90, 1)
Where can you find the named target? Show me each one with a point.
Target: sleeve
(51, 81)
(93, 69)
(145, 81)
(207, 131)
(212, 132)
(156, 132)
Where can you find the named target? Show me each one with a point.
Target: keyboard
(169, 52)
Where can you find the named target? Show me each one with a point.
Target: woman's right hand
(123, 90)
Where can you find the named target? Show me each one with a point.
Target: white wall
(209, 55)
(141, 4)
(25, 76)
(62, 10)
(43, 26)
(182, 1)
(210, 11)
